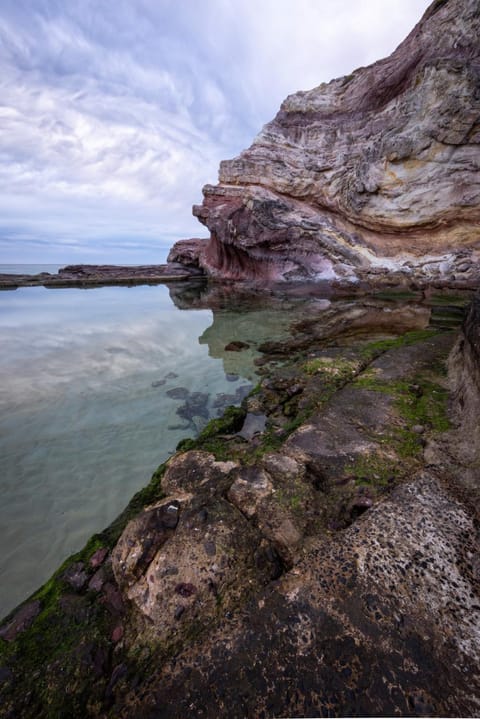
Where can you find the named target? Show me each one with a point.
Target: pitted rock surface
(381, 619)
(181, 560)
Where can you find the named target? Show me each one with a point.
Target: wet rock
(142, 539)
(196, 406)
(74, 607)
(112, 599)
(211, 551)
(5, 675)
(117, 634)
(21, 620)
(253, 424)
(210, 548)
(196, 471)
(97, 580)
(185, 589)
(159, 383)
(359, 504)
(179, 611)
(76, 576)
(98, 557)
(251, 486)
(118, 673)
(223, 400)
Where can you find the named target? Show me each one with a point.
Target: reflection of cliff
(263, 320)
(252, 328)
(258, 327)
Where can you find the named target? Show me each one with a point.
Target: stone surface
(182, 560)
(93, 275)
(21, 620)
(371, 174)
(187, 252)
(381, 620)
(327, 567)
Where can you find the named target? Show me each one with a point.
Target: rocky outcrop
(313, 552)
(98, 275)
(373, 173)
(187, 252)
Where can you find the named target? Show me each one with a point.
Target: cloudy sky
(115, 113)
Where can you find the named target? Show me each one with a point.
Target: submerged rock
(328, 566)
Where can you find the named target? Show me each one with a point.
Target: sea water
(97, 387)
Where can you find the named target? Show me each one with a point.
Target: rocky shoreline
(100, 275)
(181, 268)
(321, 560)
(315, 551)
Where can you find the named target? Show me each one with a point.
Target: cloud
(114, 115)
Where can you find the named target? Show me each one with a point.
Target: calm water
(98, 386)
(87, 410)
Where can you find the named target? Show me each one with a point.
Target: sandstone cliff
(371, 173)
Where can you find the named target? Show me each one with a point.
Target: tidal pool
(97, 387)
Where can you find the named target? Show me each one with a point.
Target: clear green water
(85, 411)
(98, 386)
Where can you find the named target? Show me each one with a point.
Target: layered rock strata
(373, 173)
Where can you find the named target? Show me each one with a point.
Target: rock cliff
(371, 173)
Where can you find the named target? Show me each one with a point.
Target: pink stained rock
(368, 175)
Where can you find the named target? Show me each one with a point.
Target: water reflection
(98, 386)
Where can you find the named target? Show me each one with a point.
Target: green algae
(372, 350)
(418, 401)
(373, 470)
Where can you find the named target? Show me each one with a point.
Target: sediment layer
(372, 173)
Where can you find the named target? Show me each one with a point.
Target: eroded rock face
(380, 622)
(377, 171)
(191, 554)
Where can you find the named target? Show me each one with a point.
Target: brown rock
(22, 619)
(97, 581)
(117, 634)
(236, 346)
(194, 471)
(98, 557)
(76, 576)
(187, 252)
(251, 486)
(376, 171)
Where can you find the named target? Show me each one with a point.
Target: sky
(115, 113)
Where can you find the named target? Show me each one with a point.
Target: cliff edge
(370, 173)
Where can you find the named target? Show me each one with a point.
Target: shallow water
(98, 386)
(87, 410)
